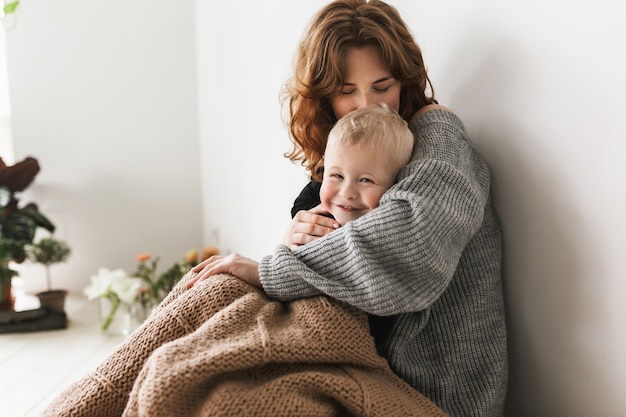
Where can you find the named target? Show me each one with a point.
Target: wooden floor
(36, 367)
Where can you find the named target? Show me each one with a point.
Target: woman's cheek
(341, 106)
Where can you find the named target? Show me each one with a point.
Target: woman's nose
(363, 100)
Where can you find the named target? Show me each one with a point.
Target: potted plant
(18, 223)
(49, 251)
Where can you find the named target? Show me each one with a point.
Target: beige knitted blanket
(224, 349)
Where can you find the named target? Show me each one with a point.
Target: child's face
(354, 180)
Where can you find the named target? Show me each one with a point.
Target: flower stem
(115, 303)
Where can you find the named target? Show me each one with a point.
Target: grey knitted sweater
(429, 259)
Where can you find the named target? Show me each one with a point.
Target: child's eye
(367, 180)
(338, 176)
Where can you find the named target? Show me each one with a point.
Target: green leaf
(39, 219)
(19, 227)
(11, 7)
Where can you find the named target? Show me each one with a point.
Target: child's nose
(348, 191)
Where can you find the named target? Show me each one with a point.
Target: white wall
(105, 96)
(540, 86)
(245, 51)
(6, 138)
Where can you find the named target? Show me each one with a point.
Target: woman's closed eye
(376, 89)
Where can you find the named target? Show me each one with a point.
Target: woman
(426, 264)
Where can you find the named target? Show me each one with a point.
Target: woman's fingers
(308, 226)
(200, 272)
(243, 268)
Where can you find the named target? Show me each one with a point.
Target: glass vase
(118, 318)
(143, 309)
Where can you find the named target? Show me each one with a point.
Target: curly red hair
(318, 70)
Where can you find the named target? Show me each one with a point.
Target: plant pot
(7, 299)
(53, 300)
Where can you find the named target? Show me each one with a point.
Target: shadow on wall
(543, 276)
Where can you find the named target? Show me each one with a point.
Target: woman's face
(366, 81)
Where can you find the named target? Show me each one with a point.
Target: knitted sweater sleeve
(401, 256)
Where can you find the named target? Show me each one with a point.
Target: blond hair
(318, 72)
(376, 127)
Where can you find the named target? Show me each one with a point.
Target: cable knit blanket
(223, 348)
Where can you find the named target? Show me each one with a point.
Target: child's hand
(234, 264)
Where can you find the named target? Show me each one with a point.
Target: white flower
(117, 282)
(126, 288)
(100, 284)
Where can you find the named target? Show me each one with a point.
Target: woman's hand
(308, 226)
(243, 268)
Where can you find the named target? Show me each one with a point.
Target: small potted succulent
(49, 251)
